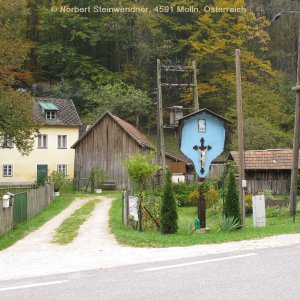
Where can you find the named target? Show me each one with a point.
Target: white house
(52, 146)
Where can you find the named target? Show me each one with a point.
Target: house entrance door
(41, 174)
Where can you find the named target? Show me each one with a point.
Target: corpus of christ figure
(202, 149)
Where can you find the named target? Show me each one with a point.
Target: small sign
(133, 203)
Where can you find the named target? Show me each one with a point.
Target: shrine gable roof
(207, 111)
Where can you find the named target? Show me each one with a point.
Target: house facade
(52, 145)
(106, 144)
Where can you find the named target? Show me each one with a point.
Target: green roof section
(48, 106)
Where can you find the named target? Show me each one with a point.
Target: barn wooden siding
(107, 145)
(278, 181)
(215, 171)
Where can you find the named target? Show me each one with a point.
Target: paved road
(260, 274)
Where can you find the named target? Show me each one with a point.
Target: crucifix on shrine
(202, 150)
(208, 128)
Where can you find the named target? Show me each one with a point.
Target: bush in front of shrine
(168, 215)
(232, 203)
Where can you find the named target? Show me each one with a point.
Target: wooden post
(202, 207)
(202, 210)
(294, 173)
(160, 124)
(240, 134)
(195, 93)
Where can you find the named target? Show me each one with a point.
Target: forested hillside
(108, 60)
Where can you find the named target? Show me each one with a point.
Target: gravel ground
(95, 248)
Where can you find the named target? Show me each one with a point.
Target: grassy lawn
(125, 235)
(21, 230)
(68, 230)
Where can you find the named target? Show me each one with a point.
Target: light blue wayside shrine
(202, 136)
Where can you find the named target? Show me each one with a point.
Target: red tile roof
(134, 133)
(266, 159)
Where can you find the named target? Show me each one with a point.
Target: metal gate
(20, 208)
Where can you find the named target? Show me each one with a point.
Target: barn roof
(66, 112)
(271, 159)
(134, 133)
(128, 128)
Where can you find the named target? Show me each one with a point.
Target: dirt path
(95, 247)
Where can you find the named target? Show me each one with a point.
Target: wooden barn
(267, 170)
(107, 143)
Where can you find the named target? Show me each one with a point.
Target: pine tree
(231, 205)
(168, 216)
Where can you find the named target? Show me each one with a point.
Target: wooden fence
(6, 218)
(15, 189)
(36, 200)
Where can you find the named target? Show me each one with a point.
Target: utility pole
(294, 174)
(160, 122)
(160, 125)
(294, 170)
(195, 93)
(240, 134)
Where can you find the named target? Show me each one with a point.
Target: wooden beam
(195, 90)
(240, 134)
(294, 175)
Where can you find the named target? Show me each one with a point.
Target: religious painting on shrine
(202, 136)
(202, 125)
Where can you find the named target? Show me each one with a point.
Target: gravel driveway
(95, 248)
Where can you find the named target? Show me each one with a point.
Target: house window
(42, 141)
(7, 142)
(7, 170)
(62, 169)
(50, 114)
(62, 141)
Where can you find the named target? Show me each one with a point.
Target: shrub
(188, 227)
(211, 197)
(97, 177)
(268, 195)
(277, 211)
(58, 179)
(216, 209)
(193, 197)
(151, 206)
(168, 216)
(248, 200)
(140, 169)
(231, 204)
(227, 223)
(182, 192)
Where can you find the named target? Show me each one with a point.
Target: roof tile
(66, 114)
(266, 159)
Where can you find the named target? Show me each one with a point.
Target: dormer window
(49, 109)
(50, 114)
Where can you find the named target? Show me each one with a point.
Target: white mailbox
(259, 211)
(6, 199)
